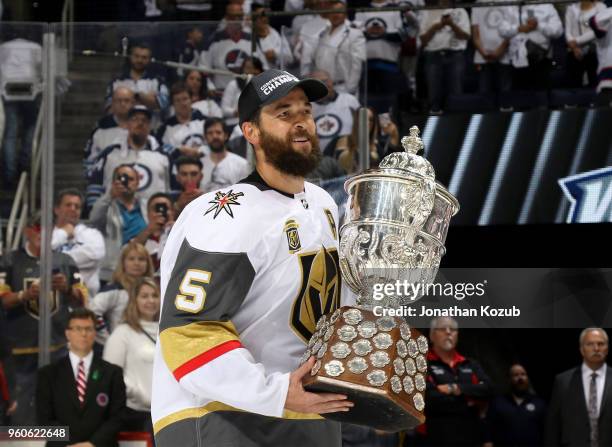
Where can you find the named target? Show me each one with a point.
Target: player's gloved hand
(303, 401)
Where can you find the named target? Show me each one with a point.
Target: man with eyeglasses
(81, 390)
(580, 410)
(120, 214)
(19, 295)
(457, 391)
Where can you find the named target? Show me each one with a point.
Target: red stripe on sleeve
(205, 357)
(4, 392)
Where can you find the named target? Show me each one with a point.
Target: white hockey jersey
(173, 134)
(227, 54)
(334, 118)
(602, 25)
(245, 274)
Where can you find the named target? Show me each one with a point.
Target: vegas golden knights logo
(293, 237)
(31, 306)
(320, 290)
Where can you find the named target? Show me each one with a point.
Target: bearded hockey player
(245, 275)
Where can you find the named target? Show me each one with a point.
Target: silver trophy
(395, 228)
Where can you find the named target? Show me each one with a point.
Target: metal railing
(68, 27)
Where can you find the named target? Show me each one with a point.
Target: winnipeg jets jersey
(602, 27)
(334, 118)
(190, 134)
(245, 274)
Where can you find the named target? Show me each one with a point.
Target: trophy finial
(413, 143)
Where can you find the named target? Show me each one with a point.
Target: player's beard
(281, 155)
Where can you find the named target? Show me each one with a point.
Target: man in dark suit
(580, 411)
(81, 390)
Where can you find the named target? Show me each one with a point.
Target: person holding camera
(160, 214)
(444, 38)
(120, 215)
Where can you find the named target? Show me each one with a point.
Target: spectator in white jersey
(181, 134)
(140, 149)
(333, 114)
(199, 87)
(220, 167)
(581, 47)
(229, 102)
(272, 48)
(384, 33)
(444, 36)
(340, 50)
(306, 30)
(228, 47)
(149, 89)
(111, 128)
(601, 25)
(85, 245)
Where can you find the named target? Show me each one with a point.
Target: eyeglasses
(82, 330)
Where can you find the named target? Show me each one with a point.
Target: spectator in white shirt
(340, 50)
(132, 347)
(444, 36)
(85, 245)
(220, 167)
(199, 87)
(229, 102)
(581, 47)
(491, 50)
(20, 63)
(272, 48)
(530, 44)
(228, 47)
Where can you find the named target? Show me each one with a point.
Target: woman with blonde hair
(109, 304)
(132, 347)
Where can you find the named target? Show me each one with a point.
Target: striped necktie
(593, 418)
(81, 383)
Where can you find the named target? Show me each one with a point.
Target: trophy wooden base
(378, 362)
(373, 407)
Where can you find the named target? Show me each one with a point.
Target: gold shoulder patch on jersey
(332, 223)
(293, 237)
(224, 201)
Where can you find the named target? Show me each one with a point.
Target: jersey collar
(257, 180)
(457, 358)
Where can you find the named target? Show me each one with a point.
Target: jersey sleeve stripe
(185, 348)
(599, 33)
(205, 357)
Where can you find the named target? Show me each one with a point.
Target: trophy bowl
(395, 228)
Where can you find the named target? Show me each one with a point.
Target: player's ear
(250, 132)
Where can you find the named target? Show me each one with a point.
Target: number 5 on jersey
(192, 296)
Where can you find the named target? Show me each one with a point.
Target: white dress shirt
(75, 359)
(600, 381)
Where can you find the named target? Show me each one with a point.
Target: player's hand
(12, 408)
(444, 389)
(303, 401)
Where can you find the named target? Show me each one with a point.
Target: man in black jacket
(457, 391)
(81, 390)
(580, 411)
